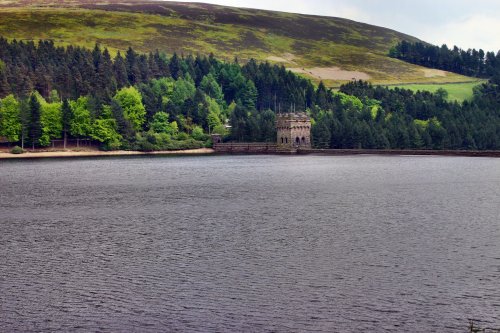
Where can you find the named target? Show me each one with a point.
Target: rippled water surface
(250, 243)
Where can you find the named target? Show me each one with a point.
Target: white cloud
(478, 31)
(347, 11)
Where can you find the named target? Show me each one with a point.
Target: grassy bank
(456, 91)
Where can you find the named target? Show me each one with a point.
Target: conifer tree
(35, 126)
(174, 66)
(66, 120)
(120, 71)
(4, 84)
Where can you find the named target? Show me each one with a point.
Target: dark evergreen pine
(35, 125)
(4, 84)
(133, 70)
(174, 66)
(469, 62)
(120, 71)
(66, 119)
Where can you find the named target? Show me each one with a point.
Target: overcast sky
(466, 23)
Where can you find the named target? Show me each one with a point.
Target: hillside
(331, 49)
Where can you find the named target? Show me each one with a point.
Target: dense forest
(154, 101)
(469, 62)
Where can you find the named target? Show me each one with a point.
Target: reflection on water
(250, 243)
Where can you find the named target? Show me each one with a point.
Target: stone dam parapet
(246, 148)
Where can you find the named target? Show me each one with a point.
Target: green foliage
(51, 120)
(442, 93)
(105, 130)
(17, 150)
(198, 134)
(373, 106)
(213, 121)
(469, 62)
(130, 101)
(359, 116)
(151, 141)
(320, 132)
(66, 115)
(81, 121)
(350, 102)
(214, 114)
(220, 129)
(424, 120)
(160, 124)
(183, 89)
(266, 122)
(10, 122)
(239, 122)
(182, 136)
(247, 94)
(173, 128)
(211, 87)
(163, 88)
(33, 116)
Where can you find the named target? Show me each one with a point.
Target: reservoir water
(250, 244)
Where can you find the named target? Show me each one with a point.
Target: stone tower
(294, 130)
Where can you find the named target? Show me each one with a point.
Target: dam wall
(246, 148)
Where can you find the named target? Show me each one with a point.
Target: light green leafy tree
(211, 87)
(81, 121)
(10, 121)
(163, 87)
(350, 102)
(105, 129)
(220, 129)
(198, 134)
(50, 120)
(173, 128)
(183, 89)
(130, 100)
(160, 124)
(214, 114)
(213, 122)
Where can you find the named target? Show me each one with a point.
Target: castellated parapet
(294, 131)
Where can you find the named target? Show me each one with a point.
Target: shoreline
(4, 155)
(402, 152)
(99, 153)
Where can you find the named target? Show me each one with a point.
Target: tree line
(157, 101)
(367, 116)
(471, 62)
(93, 90)
(74, 71)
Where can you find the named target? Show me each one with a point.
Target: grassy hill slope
(456, 91)
(331, 49)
